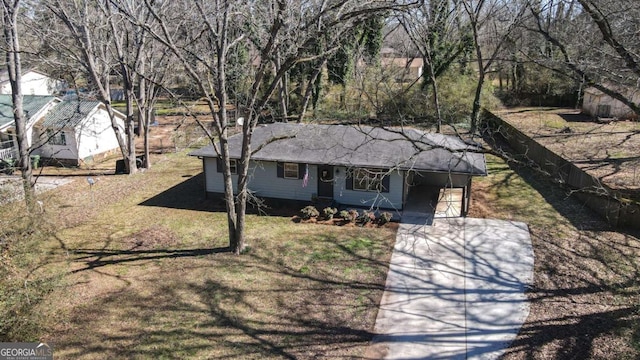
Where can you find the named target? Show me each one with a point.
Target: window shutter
(219, 165)
(385, 183)
(349, 180)
(301, 170)
(280, 170)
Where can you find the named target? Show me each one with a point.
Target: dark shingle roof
(31, 105)
(359, 146)
(68, 114)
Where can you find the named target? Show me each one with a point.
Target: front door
(325, 181)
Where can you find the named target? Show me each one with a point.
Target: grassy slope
(585, 298)
(138, 281)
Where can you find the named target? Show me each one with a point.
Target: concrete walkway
(455, 290)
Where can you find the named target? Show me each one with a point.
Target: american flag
(305, 179)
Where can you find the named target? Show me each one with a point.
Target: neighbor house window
(56, 138)
(291, 171)
(604, 111)
(233, 164)
(367, 179)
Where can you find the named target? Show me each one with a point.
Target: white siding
(68, 151)
(390, 200)
(32, 133)
(34, 83)
(593, 98)
(95, 134)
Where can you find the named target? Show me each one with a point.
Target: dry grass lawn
(606, 151)
(585, 300)
(139, 269)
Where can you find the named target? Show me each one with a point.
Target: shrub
(353, 215)
(309, 212)
(385, 217)
(367, 217)
(328, 212)
(344, 214)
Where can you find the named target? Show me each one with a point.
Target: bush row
(351, 215)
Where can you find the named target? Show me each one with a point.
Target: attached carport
(439, 194)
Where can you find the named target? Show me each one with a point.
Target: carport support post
(466, 197)
(204, 169)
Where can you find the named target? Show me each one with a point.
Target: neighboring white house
(35, 107)
(598, 104)
(33, 83)
(403, 69)
(76, 132)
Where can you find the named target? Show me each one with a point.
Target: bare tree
(491, 22)
(92, 34)
(203, 38)
(10, 11)
(434, 34)
(594, 42)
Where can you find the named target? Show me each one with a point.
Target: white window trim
(371, 177)
(233, 166)
(59, 138)
(297, 170)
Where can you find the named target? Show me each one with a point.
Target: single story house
(77, 131)
(598, 104)
(33, 83)
(34, 106)
(348, 165)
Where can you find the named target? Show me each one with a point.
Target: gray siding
(264, 181)
(389, 200)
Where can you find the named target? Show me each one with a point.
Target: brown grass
(606, 151)
(585, 300)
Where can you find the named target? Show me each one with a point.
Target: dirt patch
(151, 238)
(607, 151)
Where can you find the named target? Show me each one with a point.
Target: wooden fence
(610, 204)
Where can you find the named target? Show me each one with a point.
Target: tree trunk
(428, 60)
(129, 125)
(309, 91)
(282, 91)
(143, 114)
(14, 69)
(475, 110)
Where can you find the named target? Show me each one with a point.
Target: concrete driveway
(455, 290)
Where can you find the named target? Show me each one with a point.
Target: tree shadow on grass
(576, 117)
(190, 195)
(254, 306)
(97, 258)
(187, 195)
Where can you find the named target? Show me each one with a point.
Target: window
(233, 165)
(604, 111)
(367, 179)
(291, 171)
(56, 138)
